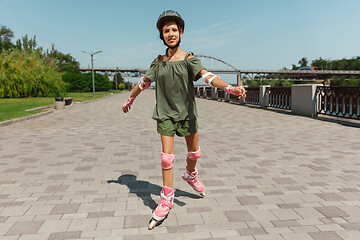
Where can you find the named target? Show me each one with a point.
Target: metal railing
(221, 94)
(339, 101)
(279, 97)
(252, 95)
(208, 92)
(201, 90)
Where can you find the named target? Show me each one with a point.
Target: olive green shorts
(180, 128)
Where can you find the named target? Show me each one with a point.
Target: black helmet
(170, 15)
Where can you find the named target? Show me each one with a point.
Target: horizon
(249, 35)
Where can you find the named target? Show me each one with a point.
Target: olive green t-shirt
(174, 88)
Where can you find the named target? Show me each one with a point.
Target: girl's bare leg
(168, 147)
(192, 146)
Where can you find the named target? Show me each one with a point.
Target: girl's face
(171, 33)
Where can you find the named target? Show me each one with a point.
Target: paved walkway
(92, 172)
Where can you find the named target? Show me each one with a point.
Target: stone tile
(331, 212)
(252, 231)
(83, 224)
(325, 235)
(65, 208)
(262, 215)
(89, 207)
(3, 219)
(50, 226)
(296, 236)
(348, 234)
(181, 229)
(288, 205)
(351, 226)
(105, 223)
(10, 204)
(40, 210)
(189, 219)
(101, 200)
(284, 180)
(4, 228)
(65, 235)
(137, 221)
(249, 200)
(213, 217)
(14, 211)
(329, 227)
(308, 213)
(97, 234)
(211, 183)
(224, 234)
(285, 214)
(199, 209)
(101, 214)
(56, 188)
(26, 227)
(285, 223)
(238, 216)
(331, 197)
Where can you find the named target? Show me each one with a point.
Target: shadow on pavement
(144, 189)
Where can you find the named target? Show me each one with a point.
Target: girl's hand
(240, 91)
(237, 91)
(127, 104)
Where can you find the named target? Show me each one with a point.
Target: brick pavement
(91, 172)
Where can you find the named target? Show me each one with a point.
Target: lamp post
(116, 85)
(92, 68)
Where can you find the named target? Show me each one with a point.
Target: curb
(11, 121)
(92, 100)
(40, 108)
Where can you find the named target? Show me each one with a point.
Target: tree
(320, 63)
(65, 62)
(27, 44)
(119, 79)
(303, 62)
(5, 38)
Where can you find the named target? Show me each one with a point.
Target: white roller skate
(193, 181)
(164, 207)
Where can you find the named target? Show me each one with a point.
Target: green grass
(16, 107)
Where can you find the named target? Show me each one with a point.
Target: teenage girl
(175, 110)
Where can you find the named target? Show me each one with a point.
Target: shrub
(25, 74)
(83, 82)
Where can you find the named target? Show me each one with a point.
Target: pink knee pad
(194, 155)
(167, 160)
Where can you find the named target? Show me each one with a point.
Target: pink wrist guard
(129, 102)
(230, 89)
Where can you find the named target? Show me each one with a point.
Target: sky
(251, 34)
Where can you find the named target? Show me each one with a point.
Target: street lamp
(117, 70)
(92, 68)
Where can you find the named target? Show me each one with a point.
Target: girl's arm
(215, 81)
(140, 86)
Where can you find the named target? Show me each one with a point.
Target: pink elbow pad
(147, 84)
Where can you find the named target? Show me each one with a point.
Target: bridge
(246, 74)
